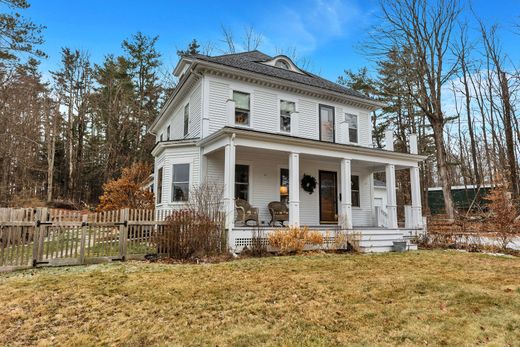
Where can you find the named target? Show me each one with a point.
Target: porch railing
(381, 217)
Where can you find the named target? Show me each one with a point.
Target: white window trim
(247, 90)
(358, 175)
(348, 127)
(170, 163)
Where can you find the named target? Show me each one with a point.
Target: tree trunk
(442, 167)
(509, 134)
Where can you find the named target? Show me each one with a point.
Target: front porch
(260, 171)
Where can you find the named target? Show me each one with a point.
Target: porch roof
(288, 143)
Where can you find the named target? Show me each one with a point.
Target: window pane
(242, 174)
(285, 124)
(241, 100)
(327, 123)
(355, 182)
(355, 199)
(241, 191)
(352, 135)
(352, 120)
(181, 173)
(287, 106)
(241, 117)
(180, 191)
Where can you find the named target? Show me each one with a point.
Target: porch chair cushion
(279, 212)
(245, 212)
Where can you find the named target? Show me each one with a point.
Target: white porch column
(346, 194)
(415, 187)
(229, 183)
(391, 200)
(294, 189)
(389, 140)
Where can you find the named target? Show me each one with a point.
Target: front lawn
(427, 297)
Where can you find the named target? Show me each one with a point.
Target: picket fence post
(123, 232)
(84, 226)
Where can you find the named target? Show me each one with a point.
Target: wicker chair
(279, 212)
(245, 212)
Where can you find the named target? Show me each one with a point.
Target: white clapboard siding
(175, 118)
(218, 95)
(195, 113)
(308, 119)
(265, 111)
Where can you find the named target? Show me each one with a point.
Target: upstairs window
(326, 123)
(159, 185)
(354, 180)
(186, 118)
(242, 108)
(287, 108)
(168, 133)
(181, 182)
(352, 121)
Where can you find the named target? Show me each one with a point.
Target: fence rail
(41, 236)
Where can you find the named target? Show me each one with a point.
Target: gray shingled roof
(252, 62)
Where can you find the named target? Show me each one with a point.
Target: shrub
(503, 212)
(188, 234)
(197, 230)
(258, 246)
(294, 239)
(128, 190)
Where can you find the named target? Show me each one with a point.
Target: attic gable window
(242, 108)
(282, 64)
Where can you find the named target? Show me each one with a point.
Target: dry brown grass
(427, 297)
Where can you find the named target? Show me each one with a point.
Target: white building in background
(267, 130)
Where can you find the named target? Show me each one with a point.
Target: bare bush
(503, 213)
(197, 230)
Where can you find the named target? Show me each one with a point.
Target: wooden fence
(41, 236)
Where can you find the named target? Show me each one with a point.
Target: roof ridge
(237, 53)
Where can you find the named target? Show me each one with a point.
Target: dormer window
(282, 64)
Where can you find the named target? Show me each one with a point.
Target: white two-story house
(267, 131)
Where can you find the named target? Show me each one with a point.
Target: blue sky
(328, 33)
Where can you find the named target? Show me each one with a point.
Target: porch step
(375, 241)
